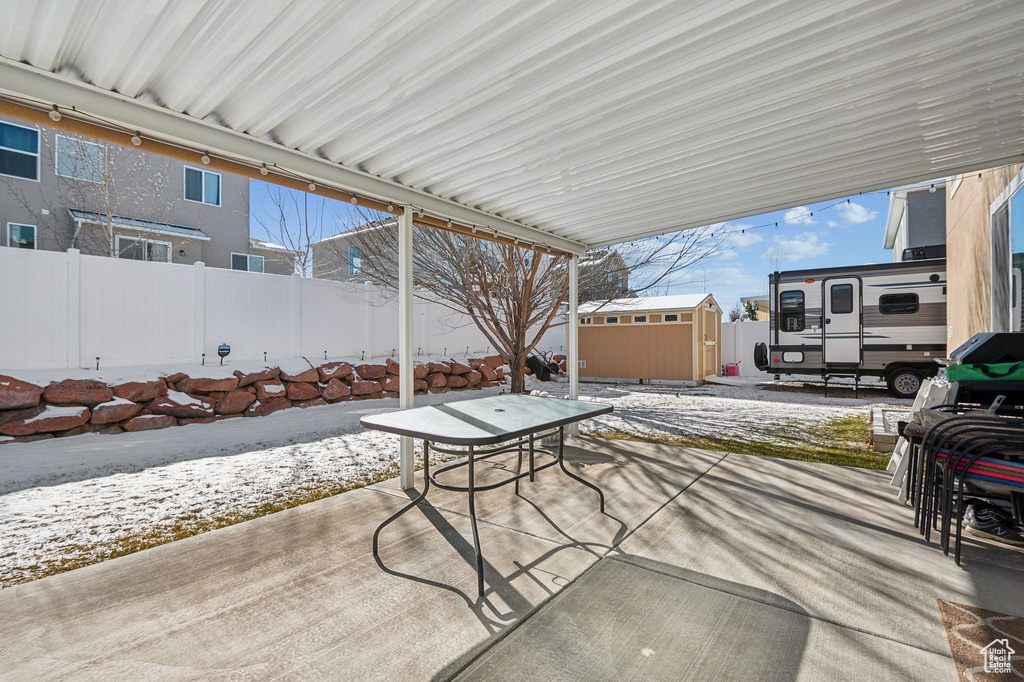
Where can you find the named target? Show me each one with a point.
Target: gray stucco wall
(926, 218)
(45, 203)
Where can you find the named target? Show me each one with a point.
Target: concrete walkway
(704, 566)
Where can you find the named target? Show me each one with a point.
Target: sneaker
(990, 522)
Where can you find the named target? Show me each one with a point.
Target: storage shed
(657, 338)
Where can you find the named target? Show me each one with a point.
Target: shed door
(842, 328)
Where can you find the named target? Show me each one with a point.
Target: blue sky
(845, 231)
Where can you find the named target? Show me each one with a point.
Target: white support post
(199, 311)
(74, 300)
(572, 336)
(405, 341)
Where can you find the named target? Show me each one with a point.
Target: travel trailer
(885, 320)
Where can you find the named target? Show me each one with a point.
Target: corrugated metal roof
(597, 122)
(139, 224)
(631, 305)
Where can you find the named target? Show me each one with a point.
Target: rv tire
(904, 382)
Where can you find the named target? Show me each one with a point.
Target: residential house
(760, 303)
(603, 276)
(916, 225)
(338, 257)
(59, 190)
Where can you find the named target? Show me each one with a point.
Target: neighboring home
(59, 190)
(760, 303)
(338, 257)
(603, 276)
(651, 339)
(916, 225)
(985, 236)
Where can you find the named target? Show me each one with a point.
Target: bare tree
(736, 314)
(296, 221)
(512, 294)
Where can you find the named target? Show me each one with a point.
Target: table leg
(531, 459)
(419, 498)
(561, 463)
(519, 466)
(476, 535)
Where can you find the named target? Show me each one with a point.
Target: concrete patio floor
(705, 566)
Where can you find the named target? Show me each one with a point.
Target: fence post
(74, 303)
(368, 315)
(296, 314)
(199, 311)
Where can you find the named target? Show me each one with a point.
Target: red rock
(336, 390)
(176, 377)
(457, 381)
(148, 422)
(500, 374)
(111, 429)
(368, 396)
(297, 391)
(79, 430)
(440, 367)
(188, 385)
(459, 368)
(250, 389)
(207, 420)
(262, 409)
(488, 373)
(436, 380)
(439, 389)
(253, 377)
(43, 419)
(182, 405)
(527, 370)
(473, 379)
(392, 367)
(268, 390)
(86, 392)
(235, 402)
(33, 437)
(494, 361)
(304, 375)
(475, 362)
(117, 410)
(316, 402)
(390, 383)
(389, 394)
(362, 388)
(420, 372)
(371, 372)
(333, 370)
(561, 365)
(419, 385)
(141, 391)
(558, 358)
(16, 394)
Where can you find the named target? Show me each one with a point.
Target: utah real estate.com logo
(997, 656)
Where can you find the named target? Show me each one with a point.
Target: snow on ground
(76, 499)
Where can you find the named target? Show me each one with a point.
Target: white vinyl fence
(738, 339)
(65, 310)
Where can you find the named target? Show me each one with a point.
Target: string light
(448, 224)
(136, 139)
(205, 158)
(54, 114)
(312, 187)
(354, 200)
(390, 207)
(264, 170)
(932, 189)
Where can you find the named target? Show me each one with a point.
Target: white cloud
(728, 254)
(741, 240)
(799, 215)
(833, 223)
(854, 213)
(798, 247)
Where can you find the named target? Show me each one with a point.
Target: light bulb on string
(55, 114)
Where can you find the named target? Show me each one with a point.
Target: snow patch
(57, 411)
(185, 400)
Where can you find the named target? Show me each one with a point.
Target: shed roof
(642, 303)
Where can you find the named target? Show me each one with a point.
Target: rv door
(841, 333)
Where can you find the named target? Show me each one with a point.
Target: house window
(248, 262)
(202, 186)
(19, 151)
(79, 159)
(21, 236)
(134, 248)
(1008, 260)
(355, 261)
(611, 320)
(842, 298)
(898, 304)
(639, 318)
(791, 307)
(671, 317)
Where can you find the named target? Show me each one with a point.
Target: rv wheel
(904, 382)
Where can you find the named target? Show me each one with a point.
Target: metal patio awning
(568, 124)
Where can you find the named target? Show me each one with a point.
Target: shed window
(671, 317)
(898, 304)
(611, 320)
(842, 298)
(791, 305)
(639, 318)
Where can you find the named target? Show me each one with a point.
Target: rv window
(791, 304)
(898, 304)
(842, 298)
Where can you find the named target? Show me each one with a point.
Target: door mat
(985, 645)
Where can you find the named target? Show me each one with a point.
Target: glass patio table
(484, 428)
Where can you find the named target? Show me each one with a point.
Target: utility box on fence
(657, 338)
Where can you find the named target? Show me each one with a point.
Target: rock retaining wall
(75, 406)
